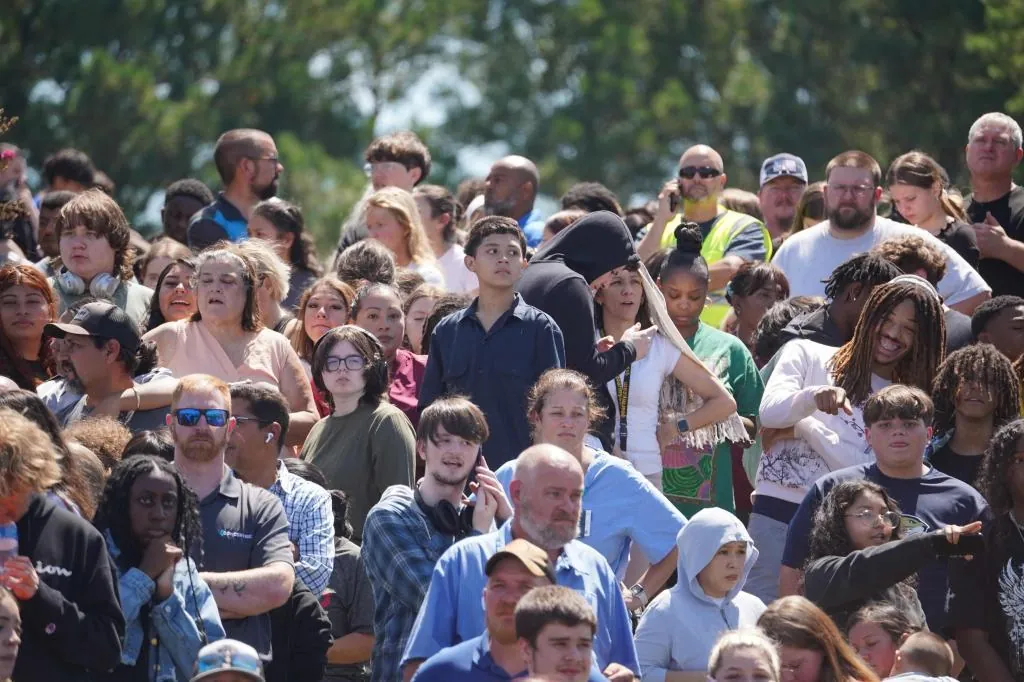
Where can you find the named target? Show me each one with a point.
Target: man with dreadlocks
(986, 602)
(975, 392)
(811, 408)
(150, 520)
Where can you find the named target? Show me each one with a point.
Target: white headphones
(269, 438)
(102, 286)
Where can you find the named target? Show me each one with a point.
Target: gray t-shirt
(244, 527)
(349, 604)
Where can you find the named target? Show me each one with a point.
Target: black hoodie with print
(557, 281)
(73, 625)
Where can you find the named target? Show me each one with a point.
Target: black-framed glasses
(229, 659)
(250, 420)
(274, 159)
(866, 516)
(189, 416)
(705, 172)
(352, 362)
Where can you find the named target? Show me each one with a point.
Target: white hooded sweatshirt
(682, 624)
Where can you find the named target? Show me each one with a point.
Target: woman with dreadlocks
(811, 411)
(987, 594)
(975, 392)
(858, 554)
(150, 520)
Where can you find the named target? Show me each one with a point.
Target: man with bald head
(510, 190)
(730, 238)
(249, 168)
(547, 492)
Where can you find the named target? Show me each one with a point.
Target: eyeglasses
(248, 420)
(273, 159)
(383, 166)
(189, 416)
(229, 659)
(705, 172)
(352, 362)
(859, 191)
(866, 516)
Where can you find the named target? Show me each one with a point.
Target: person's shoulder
(59, 519)
(478, 546)
(452, 660)
(259, 500)
(745, 220)
(396, 501)
(385, 412)
(803, 237)
(587, 559)
(858, 472)
(953, 488)
(311, 492)
(748, 601)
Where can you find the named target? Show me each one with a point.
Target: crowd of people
(721, 436)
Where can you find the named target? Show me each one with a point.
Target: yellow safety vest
(727, 225)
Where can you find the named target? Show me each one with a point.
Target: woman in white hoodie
(678, 631)
(811, 410)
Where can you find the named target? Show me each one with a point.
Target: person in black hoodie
(561, 280)
(858, 553)
(63, 577)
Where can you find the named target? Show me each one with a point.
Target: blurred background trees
(590, 89)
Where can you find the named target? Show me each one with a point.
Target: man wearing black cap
(496, 656)
(783, 181)
(106, 351)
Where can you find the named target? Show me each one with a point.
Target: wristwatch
(683, 426)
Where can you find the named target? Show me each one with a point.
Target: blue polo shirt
(532, 225)
(453, 611)
(471, 661)
(219, 221)
(494, 368)
(620, 507)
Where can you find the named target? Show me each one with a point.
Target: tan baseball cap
(530, 555)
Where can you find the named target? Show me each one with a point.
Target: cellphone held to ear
(674, 197)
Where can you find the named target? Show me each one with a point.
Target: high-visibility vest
(727, 225)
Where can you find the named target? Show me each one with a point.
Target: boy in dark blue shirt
(495, 350)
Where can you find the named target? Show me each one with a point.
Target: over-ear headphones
(446, 518)
(102, 286)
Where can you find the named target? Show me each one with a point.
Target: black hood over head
(593, 245)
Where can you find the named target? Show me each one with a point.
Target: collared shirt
(532, 225)
(219, 221)
(310, 526)
(471, 661)
(495, 368)
(452, 611)
(244, 527)
(620, 508)
(400, 549)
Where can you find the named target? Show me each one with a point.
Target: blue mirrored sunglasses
(189, 416)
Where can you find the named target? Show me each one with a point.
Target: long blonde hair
(402, 206)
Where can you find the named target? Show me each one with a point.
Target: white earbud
(269, 438)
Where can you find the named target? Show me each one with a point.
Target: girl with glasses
(859, 554)
(366, 444)
(150, 521)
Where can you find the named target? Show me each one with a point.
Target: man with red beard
(246, 556)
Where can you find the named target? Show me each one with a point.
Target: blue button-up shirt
(310, 526)
(453, 610)
(532, 225)
(620, 507)
(471, 661)
(494, 368)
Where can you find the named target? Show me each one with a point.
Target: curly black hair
(113, 512)
(828, 535)
(869, 269)
(994, 479)
(980, 363)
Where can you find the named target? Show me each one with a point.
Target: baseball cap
(228, 655)
(99, 320)
(782, 165)
(530, 555)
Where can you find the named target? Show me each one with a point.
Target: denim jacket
(173, 620)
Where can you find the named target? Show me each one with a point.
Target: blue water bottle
(8, 542)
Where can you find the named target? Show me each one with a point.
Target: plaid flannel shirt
(310, 526)
(400, 548)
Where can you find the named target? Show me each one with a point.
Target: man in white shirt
(852, 192)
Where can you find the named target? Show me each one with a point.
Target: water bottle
(8, 543)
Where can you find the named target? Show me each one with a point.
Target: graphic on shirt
(234, 534)
(1011, 599)
(791, 463)
(688, 473)
(43, 569)
(912, 525)
(853, 424)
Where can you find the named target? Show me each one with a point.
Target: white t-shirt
(824, 442)
(430, 272)
(809, 257)
(645, 379)
(457, 277)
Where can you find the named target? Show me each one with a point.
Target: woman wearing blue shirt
(620, 506)
(150, 520)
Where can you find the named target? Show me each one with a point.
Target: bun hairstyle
(686, 254)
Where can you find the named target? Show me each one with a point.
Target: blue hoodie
(682, 624)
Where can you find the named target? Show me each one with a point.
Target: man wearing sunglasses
(730, 238)
(246, 556)
(249, 167)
